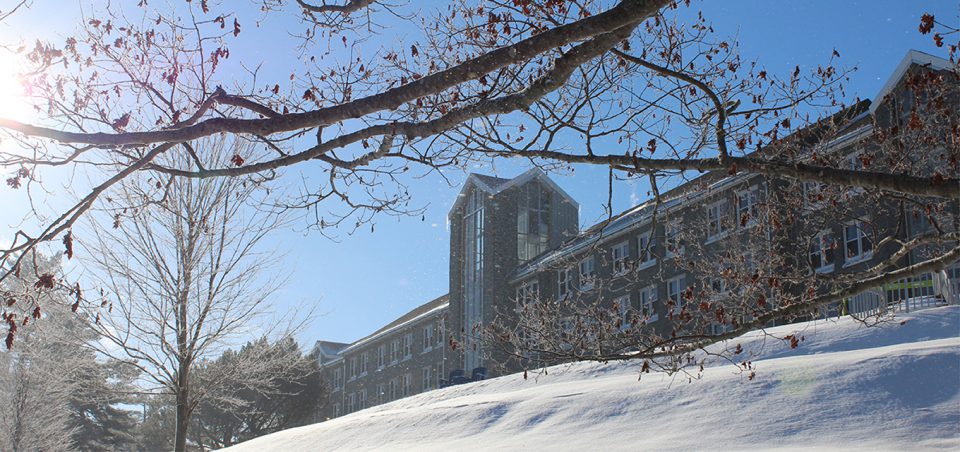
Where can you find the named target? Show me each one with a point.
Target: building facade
(514, 241)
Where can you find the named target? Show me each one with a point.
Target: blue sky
(362, 281)
(368, 279)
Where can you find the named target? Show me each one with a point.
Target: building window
(648, 296)
(859, 246)
(439, 332)
(645, 251)
(621, 255)
(353, 368)
(393, 389)
(407, 384)
(748, 206)
(427, 378)
(381, 395)
(407, 346)
(813, 194)
(338, 379)
(564, 283)
(351, 402)
(533, 221)
(336, 410)
(528, 292)
(362, 399)
(381, 356)
(588, 273)
(675, 289)
(717, 221)
(395, 352)
(624, 311)
(364, 363)
(428, 338)
(672, 239)
(473, 272)
(821, 252)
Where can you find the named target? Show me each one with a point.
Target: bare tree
(189, 277)
(54, 393)
(642, 87)
(36, 376)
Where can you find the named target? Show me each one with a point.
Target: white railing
(907, 294)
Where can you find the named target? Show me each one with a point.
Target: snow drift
(891, 387)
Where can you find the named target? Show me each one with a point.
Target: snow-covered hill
(891, 387)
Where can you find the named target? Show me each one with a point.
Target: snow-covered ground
(891, 387)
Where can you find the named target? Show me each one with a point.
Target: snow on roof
(421, 312)
(494, 185)
(913, 57)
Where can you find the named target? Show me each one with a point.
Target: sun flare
(13, 102)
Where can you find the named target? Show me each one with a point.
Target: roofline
(518, 180)
(912, 57)
(436, 310)
(580, 242)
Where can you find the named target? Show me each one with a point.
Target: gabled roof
(494, 185)
(327, 351)
(913, 57)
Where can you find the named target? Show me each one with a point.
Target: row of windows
(393, 389)
(857, 246)
(389, 353)
(718, 225)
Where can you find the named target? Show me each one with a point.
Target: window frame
(587, 280)
(407, 346)
(821, 251)
(677, 298)
(564, 283)
(719, 209)
(364, 364)
(427, 338)
(671, 236)
(625, 309)
(648, 249)
(647, 299)
(860, 225)
(621, 263)
(528, 291)
(753, 208)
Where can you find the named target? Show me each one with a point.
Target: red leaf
(36, 312)
(236, 27)
(414, 51)
(46, 281)
(68, 244)
(9, 340)
(926, 23)
(236, 160)
(76, 303)
(121, 123)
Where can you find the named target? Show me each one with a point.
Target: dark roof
(491, 181)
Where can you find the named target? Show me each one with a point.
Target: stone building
(517, 240)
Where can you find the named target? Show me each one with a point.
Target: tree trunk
(183, 416)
